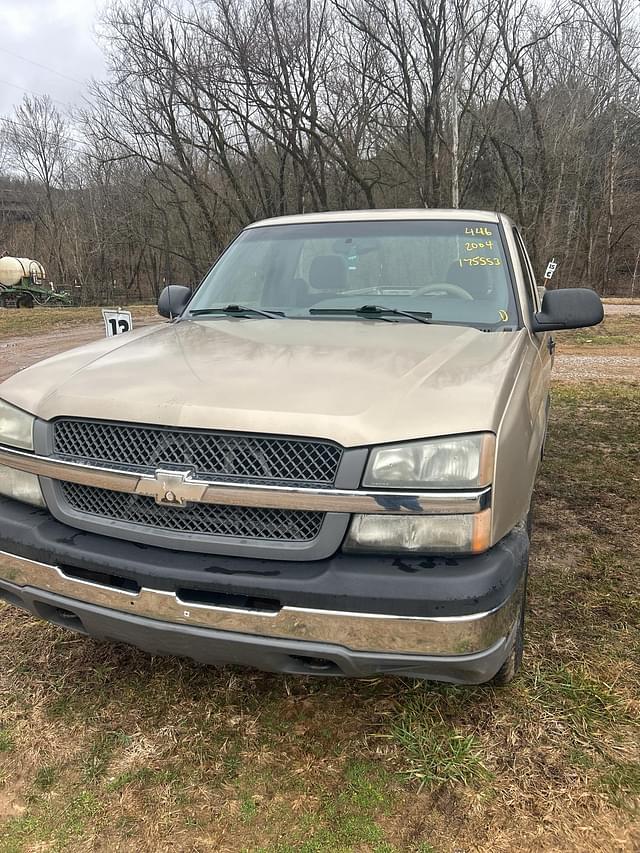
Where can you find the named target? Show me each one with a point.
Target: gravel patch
(621, 308)
(606, 368)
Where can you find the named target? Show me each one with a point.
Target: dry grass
(619, 333)
(14, 323)
(105, 749)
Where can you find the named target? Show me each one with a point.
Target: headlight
(459, 462)
(20, 486)
(424, 534)
(16, 427)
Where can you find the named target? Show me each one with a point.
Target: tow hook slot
(225, 599)
(60, 616)
(102, 578)
(316, 666)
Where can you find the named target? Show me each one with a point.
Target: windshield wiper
(371, 311)
(237, 309)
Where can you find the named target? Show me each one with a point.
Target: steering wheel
(446, 287)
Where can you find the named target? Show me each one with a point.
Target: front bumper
(450, 620)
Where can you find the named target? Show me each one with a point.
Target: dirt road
(19, 352)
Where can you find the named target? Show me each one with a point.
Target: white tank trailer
(23, 285)
(14, 270)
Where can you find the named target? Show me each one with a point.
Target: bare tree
(218, 112)
(39, 149)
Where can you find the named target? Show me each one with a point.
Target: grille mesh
(223, 456)
(202, 519)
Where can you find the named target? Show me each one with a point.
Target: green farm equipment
(22, 285)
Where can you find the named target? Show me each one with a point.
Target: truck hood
(356, 382)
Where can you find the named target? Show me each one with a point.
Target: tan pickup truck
(323, 464)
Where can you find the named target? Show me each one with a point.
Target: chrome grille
(236, 457)
(202, 519)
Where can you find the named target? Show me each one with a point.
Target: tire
(25, 301)
(510, 668)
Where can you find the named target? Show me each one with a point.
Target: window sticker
(473, 247)
(480, 261)
(503, 315)
(479, 232)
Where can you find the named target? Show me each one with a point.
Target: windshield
(452, 271)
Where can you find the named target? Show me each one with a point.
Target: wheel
(529, 520)
(25, 301)
(512, 664)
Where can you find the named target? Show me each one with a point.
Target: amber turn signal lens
(481, 537)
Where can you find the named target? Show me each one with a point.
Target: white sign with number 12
(117, 322)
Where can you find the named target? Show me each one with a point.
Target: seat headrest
(328, 272)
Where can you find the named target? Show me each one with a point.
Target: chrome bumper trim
(365, 632)
(183, 489)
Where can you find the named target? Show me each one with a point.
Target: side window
(532, 292)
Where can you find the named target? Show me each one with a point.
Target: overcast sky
(55, 33)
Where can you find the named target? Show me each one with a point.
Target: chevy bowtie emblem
(171, 488)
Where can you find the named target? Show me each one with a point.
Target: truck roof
(380, 214)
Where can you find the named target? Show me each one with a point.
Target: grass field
(616, 332)
(105, 749)
(14, 323)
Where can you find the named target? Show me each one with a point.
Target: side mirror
(173, 300)
(571, 308)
